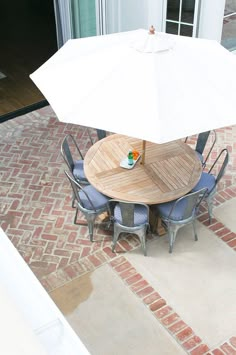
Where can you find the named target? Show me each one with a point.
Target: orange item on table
(135, 154)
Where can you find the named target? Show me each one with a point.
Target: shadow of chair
(178, 213)
(201, 144)
(89, 201)
(128, 217)
(211, 181)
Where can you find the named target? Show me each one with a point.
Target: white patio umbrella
(157, 87)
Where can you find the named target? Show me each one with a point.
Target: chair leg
(76, 214)
(142, 236)
(73, 200)
(210, 207)
(90, 220)
(195, 231)
(143, 243)
(116, 234)
(172, 235)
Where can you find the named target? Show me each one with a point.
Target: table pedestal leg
(155, 224)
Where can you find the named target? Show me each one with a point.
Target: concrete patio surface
(119, 303)
(226, 214)
(195, 280)
(110, 319)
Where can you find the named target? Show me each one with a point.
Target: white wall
(126, 15)
(211, 19)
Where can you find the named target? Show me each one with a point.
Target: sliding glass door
(76, 19)
(83, 16)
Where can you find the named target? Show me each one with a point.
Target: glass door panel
(173, 8)
(172, 28)
(228, 39)
(181, 17)
(186, 30)
(187, 14)
(83, 15)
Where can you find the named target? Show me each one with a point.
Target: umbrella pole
(143, 152)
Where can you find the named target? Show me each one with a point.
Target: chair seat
(98, 200)
(179, 212)
(78, 170)
(206, 180)
(140, 215)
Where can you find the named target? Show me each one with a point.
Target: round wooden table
(170, 171)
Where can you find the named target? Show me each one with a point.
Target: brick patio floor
(36, 214)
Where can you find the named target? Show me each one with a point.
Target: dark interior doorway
(27, 40)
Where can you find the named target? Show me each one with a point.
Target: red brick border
(171, 321)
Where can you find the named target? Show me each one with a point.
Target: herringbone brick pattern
(36, 214)
(35, 204)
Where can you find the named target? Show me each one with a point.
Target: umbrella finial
(152, 30)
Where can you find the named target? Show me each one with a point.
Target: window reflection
(172, 28)
(173, 10)
(180, 17)
(230, 7)
(188, 11)
(228, 39)
(186, 30)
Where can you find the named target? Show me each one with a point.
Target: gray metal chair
(201, 145)
(180, 212)
(94, 137)
(101, 133)
(75, 165)
(128, 217)
(89, 201)
(211, 181)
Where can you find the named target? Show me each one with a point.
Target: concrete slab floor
(197, 280)
(226, 214)
(109, 319)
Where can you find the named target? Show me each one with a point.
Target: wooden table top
(170, 171)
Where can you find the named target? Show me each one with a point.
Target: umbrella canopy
(157, 87)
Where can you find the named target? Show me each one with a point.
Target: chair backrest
(66, 151)
(186, 207)
(100, 135)
(224, 162)
(76, 187)
(201, 141)
(127, 210)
